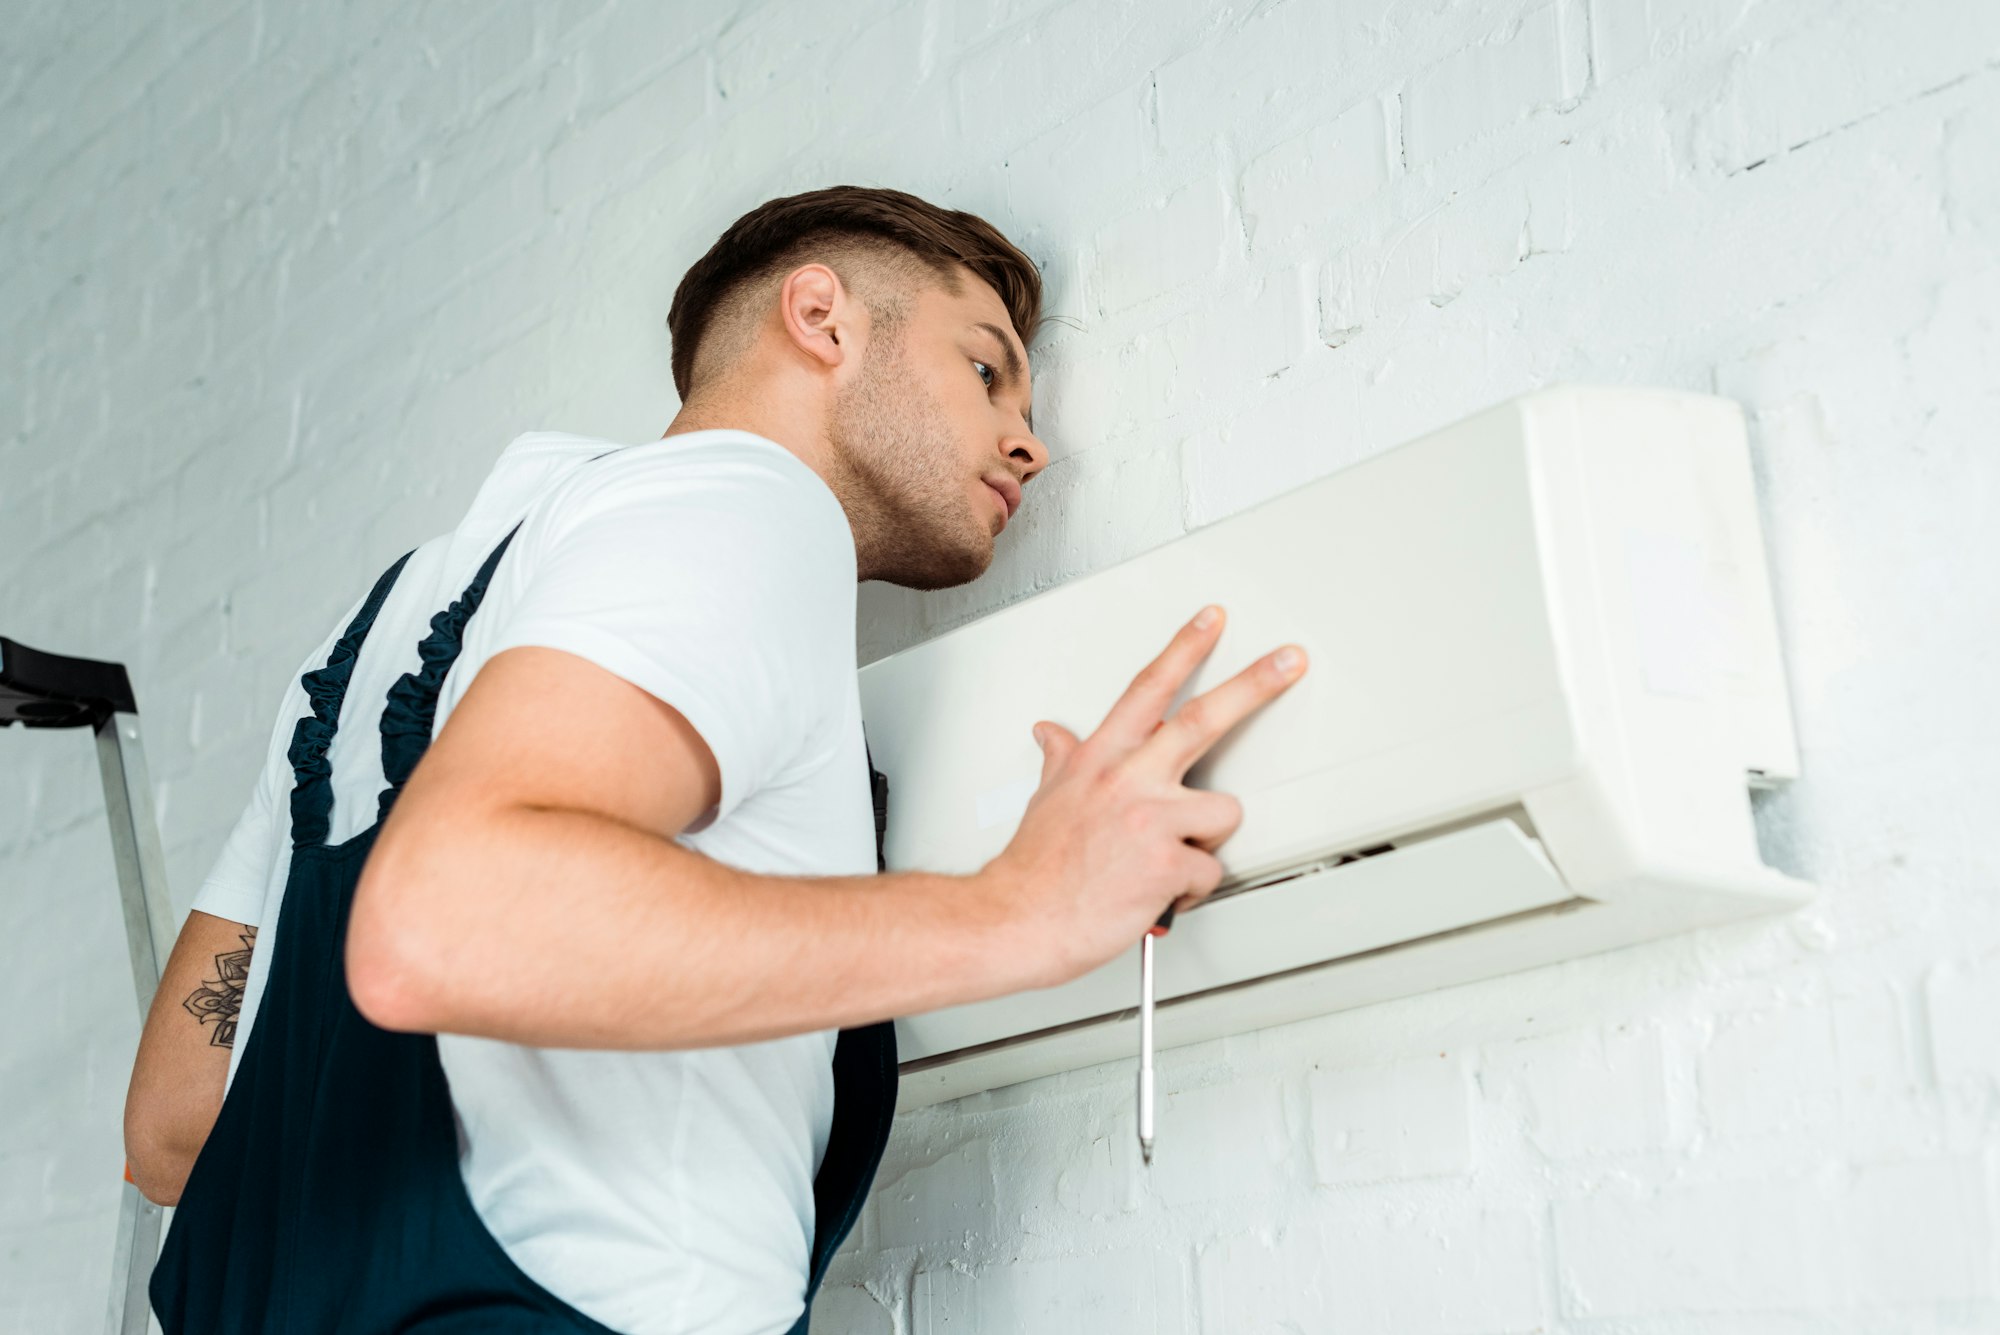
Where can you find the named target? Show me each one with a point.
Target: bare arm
(183, 1061)
(526, 886)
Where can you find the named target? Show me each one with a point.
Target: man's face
(932, 438)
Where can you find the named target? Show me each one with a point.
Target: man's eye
(985, 374)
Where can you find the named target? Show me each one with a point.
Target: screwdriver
(1146, 1033)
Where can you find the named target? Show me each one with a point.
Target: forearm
(183, 1058)
(567, 929)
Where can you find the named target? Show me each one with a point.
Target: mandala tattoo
(220, 999)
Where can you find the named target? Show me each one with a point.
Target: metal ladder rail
(43, 690)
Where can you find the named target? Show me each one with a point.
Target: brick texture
(282, 279)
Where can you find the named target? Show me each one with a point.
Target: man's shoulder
(717, 450)
(723, 475)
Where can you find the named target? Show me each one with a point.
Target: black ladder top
(44, 690)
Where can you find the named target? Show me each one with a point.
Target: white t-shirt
(655, 1191)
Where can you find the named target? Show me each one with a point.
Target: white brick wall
(281, 279)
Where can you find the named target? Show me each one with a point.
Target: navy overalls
(328, 1196)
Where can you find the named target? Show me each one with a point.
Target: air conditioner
(1545, 673)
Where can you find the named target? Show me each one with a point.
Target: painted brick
(1409, 1119)
(1582, 1093)
(643, 126)
(1077, 400)
(1712, 1247)
(1917, 1233)
(1770, 1071)
(1064, 1295)
(1028, 76)
(1287, 432)
(1161, 246)
(1136, 477)
(1241, 1149)
(1971, 140)
(1489, 86)
(1438, 256)
(1619, 38)
(1100, 1180)
(851, 1310)
(1314, 177)
(1214, 353)
(1299, 52)
(1343, 303)
(1824, 74)
(1064, 179)
(1883, 1233)
(1877, 1070)
(1275, 1279)
(1629, 36)
(1963, 999)
(951, 1193)
(1458, 1275)
(628, 45)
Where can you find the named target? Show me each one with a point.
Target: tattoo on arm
(220, 999)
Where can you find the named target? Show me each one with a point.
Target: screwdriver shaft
(1146, 1047)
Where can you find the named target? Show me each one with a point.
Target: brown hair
(782, 233)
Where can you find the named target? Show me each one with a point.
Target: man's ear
(819, 315)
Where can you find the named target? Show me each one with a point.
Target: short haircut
(846, 221)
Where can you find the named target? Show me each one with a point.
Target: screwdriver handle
(1166, 921)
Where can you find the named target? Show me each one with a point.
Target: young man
(631, 889)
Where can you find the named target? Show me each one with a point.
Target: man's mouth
(1009, 495)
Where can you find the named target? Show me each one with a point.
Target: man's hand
(1112, 836)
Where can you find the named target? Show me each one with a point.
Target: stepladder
(45, 690)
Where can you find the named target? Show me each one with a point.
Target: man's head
(884, 340)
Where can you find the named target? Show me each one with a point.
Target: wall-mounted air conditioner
(1545, 673)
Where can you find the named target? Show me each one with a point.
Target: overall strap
(411, 705)
(326, 687)
(864, 1106)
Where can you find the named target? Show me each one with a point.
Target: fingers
(1056, 742)
(1202, 872)
(1139, 710)
(1208, 819)
(1202, 721)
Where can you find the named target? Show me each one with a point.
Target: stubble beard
(896, 466)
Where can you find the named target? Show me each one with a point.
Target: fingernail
(1206, 617)
(1037, 730)
(1289, 660)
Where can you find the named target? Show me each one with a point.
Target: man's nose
(1028, 455)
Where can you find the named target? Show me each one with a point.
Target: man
(631, 887)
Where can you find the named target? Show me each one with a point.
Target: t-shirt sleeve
(718, 579)
(234, 888)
